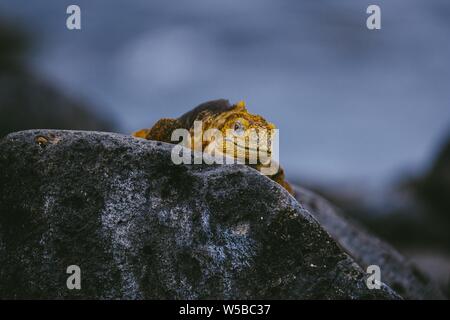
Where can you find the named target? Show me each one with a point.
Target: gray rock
(396, 271)
(140, 226)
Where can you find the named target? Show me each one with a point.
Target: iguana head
(244, 134)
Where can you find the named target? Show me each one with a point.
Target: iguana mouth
(248, 148)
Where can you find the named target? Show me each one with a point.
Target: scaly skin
(233, 121)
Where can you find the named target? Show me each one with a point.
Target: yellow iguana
(228, 119)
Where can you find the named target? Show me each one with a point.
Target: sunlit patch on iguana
(237, 126)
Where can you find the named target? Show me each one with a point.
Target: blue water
(351, 104)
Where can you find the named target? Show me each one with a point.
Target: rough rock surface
(396, 271)
(140, 226)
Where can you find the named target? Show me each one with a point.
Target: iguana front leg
(278, 177)
(281, 180)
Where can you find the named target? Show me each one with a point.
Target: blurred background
(364, 116)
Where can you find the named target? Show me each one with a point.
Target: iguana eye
(238, 128)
